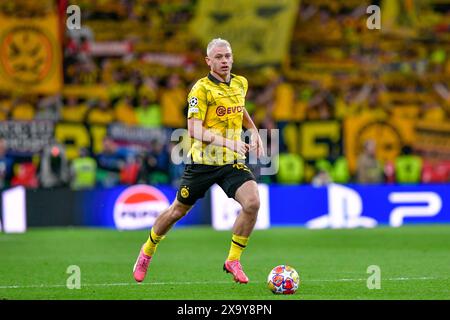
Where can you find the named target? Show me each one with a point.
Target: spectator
(48, 108)
(120, 86)
(100, 113)
(159, 155)
(110, 158)
(110, 162)
(322, 178)
(5, 164)
(124, 111)
(22, 110)
(433, 112)
(129, 173)
(369, 169)
(408, 167)
(282, 106)
(173, 101)
(82, 171)
(155, 166)
(148, 113)
(73, 110)
(5, 106)
(25, 175)
(54, 169)
(175, 170)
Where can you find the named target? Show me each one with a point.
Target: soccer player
(216, 116)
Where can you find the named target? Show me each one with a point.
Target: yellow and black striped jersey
(220, 106)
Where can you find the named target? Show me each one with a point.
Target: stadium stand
(126, 74)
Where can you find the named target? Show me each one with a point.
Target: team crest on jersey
(221, 111)
(184, 192)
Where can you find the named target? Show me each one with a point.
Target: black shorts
(198, 178)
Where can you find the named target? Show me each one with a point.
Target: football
(283, 279)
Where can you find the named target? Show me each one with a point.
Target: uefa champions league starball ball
(283, 279)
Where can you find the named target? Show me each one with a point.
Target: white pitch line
(365, 279)
(196, 282)
(419, 278)
(109, 284)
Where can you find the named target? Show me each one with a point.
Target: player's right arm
(199, 132)
(198, 105)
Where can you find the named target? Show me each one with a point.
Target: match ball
(283, 279)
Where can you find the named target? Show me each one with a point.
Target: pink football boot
(141, 266)
(234, 267)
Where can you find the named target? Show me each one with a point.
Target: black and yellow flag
(30, 54)
(259, 31)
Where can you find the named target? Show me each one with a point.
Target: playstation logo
(344, 210)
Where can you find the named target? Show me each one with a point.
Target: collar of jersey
(217, 81)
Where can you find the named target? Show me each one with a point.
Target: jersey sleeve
(197, 103)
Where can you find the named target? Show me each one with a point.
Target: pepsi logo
(138, 206)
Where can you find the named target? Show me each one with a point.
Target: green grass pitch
(414, 263)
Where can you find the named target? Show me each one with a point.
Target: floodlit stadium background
(87, 112)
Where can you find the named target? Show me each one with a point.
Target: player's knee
(252, 205)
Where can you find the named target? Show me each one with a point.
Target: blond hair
(218, 42)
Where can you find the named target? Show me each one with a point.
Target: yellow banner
(390, 136)
(432, 140)
(259, 31)
(30, 54)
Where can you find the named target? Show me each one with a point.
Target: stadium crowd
(143, 77)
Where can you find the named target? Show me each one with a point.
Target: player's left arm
(247, 123)
(256, 142)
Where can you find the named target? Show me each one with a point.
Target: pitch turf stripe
(197, 282)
